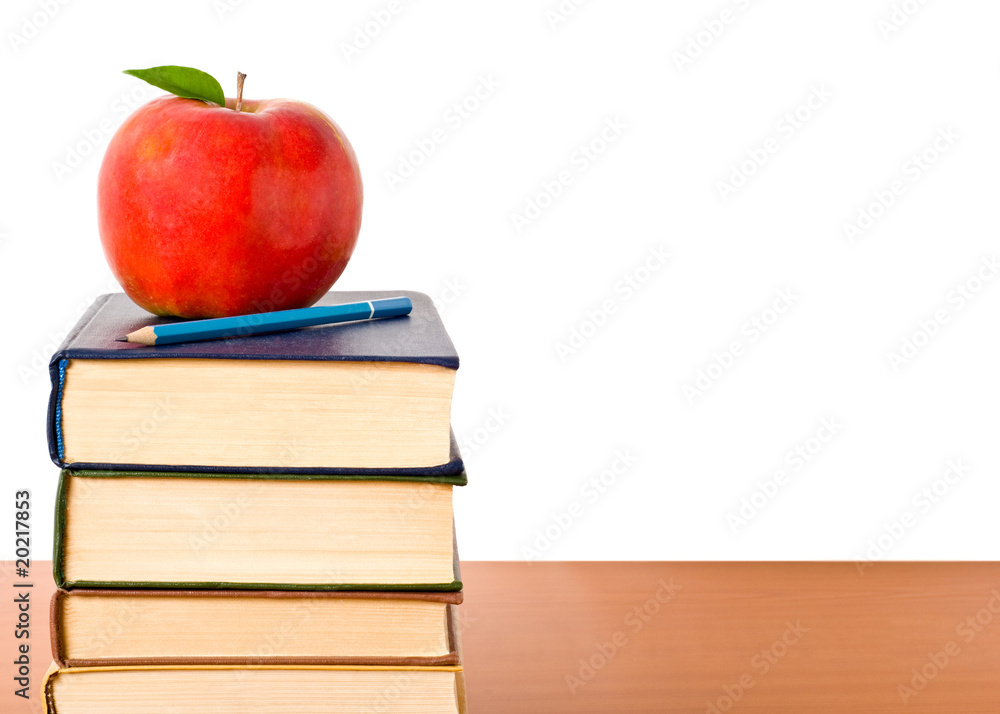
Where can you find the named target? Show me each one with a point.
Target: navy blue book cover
(419, 337)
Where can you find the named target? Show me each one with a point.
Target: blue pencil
(266, 322)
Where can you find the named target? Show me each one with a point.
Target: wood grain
(40, 652)
(526, 626)
(854, 639)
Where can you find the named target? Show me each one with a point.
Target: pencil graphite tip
(121, 339)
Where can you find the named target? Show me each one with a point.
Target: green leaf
(184, 82)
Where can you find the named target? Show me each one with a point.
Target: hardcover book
(119, 529)
(224, 689)
(361, 397)
(92, 628)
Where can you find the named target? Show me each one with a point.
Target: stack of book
(259, 524)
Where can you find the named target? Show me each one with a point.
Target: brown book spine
(55, 627)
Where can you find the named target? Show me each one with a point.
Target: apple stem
(239, 90)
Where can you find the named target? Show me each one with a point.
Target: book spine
(57, 376)
(54, 417)
(55, 627)
(57, 423)
(59, 533)
(47, 699)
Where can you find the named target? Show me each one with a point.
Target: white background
(700, 89)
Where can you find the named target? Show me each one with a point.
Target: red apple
(207, 211)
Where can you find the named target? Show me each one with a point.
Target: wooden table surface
(699, 637)
(732, 637)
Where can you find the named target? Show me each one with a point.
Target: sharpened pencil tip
(121, 339)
